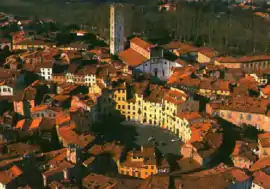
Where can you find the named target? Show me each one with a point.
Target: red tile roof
(69, 136)
(141, 43)
(208, 52)
(243, 59)
(266, 90)
(261, 179)
(190, 116)
(93, 181)
(260, 164)
(7, 176)
(131, 57)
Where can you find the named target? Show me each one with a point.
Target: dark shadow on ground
(112, 130)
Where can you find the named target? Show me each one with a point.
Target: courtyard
(136, 135)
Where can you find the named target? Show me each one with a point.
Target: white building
(158, 67)
(146, 57)
(6, 89)
(90, 79)
(116, 29)
(46, 73)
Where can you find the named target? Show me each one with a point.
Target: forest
(231, 31)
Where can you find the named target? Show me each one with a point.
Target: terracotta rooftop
(208, 52)
(93, 181)
(182, 46)
(59, 168)
(262, 179)
(161, 181)
(260, 164)
(189, 116)
(7, 176)
(71, 137)
(156, 94)
(88, 161)
(247, 104)
(219, 84)
(141, 43)
(131, 57)
(41, 107)
(218, 177)
(175, 96)
(21, 149)
(266, 90)
(243, 59)
(199, 131)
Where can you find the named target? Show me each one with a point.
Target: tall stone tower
(116, 29)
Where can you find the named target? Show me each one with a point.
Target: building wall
(203, 58)
(46, 113)
(188, 151)
(6, 90)
(27, 47)
(90, 79)
(247, 66)
(139, 172)
(210, 92)
(46, 73)
(23, 107)
(256, 186)
(162, 114)
(228, 65)
(81, 79)
(260, 121)
(158, 67)
(59, 79)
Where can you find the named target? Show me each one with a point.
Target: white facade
(256, 186)
(70, 78)
(46, 73)
(116, 29)
(6, 90)
(158, 67)
(90, 80)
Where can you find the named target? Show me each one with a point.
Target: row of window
(51, 115)
(5, 89)
(229, 115)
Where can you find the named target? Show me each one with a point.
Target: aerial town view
(135, 94)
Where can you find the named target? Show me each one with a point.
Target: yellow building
(142, 163)
(34, 44)
(210, 88)
(159, 108)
